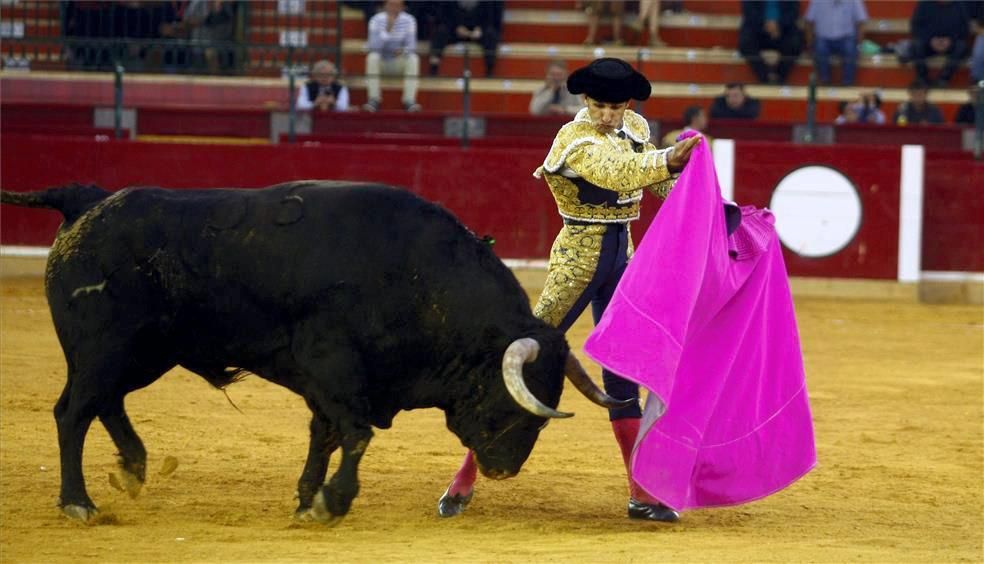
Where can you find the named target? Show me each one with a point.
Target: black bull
(363, 299)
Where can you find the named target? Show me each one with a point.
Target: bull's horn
(517, 353)
(576, 374)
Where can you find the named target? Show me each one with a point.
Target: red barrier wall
(492, 191)
(953, 213)
(875, 173)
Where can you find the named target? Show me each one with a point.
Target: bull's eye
(544, 426)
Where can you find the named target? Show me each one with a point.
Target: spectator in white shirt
(554, 98)
(324, 92)
(392, 51)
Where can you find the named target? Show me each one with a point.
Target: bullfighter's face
(606, 117)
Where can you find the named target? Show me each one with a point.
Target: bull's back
(295, 241)
(231, 277)
(290, 244)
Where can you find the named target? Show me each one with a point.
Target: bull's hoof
(652, 512)
(451, 505)
(319, 512)
(305, 515)
(80, 513)
(126, 482)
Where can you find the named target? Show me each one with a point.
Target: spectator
(467, 20)
(770, 24)
(976, 13)
(428, 14)
(735, 104)
(649, 13)
(168, 55)
(939, 27)
(553, 98)
(84, 24)
(392, 51)
(323, 92)
(210, 24)
(593, 9)
(836, 27)
(966, 112)
(848, 113)
(917, 110)
(694, 119)
(866, 108)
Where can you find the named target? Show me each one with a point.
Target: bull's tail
(72, 201)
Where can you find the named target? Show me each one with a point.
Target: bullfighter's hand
(681, 153)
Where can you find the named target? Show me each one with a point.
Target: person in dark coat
(467, 20)
(939, 28)
(735, 104)
(917, 110)
(966, 113)
(770, 25)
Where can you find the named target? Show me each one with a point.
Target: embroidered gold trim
(573, 262)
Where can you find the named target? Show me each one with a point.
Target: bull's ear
(518, 353)
(584, 384)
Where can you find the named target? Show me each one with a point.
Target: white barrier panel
(911, 213)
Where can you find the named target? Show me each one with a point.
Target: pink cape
(705, 322)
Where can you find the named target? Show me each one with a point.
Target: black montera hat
(609, 80)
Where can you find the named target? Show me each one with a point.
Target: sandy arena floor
(897, 397)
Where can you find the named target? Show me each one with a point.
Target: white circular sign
(817, 209)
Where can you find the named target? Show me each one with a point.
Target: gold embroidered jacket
(600, 177)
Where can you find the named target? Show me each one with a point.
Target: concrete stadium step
(276, 36)
(876, 9)
(668, 101)
(783, 105)
(559, 5)
(712, 66)
(29, 10)
(685, 29)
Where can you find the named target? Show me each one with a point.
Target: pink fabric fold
(705, 322)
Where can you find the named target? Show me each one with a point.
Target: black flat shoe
(451, 505)
(654, 512)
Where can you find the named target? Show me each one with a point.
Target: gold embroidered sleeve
(623, 172)
(662, 189)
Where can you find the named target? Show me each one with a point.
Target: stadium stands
(700, 57)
